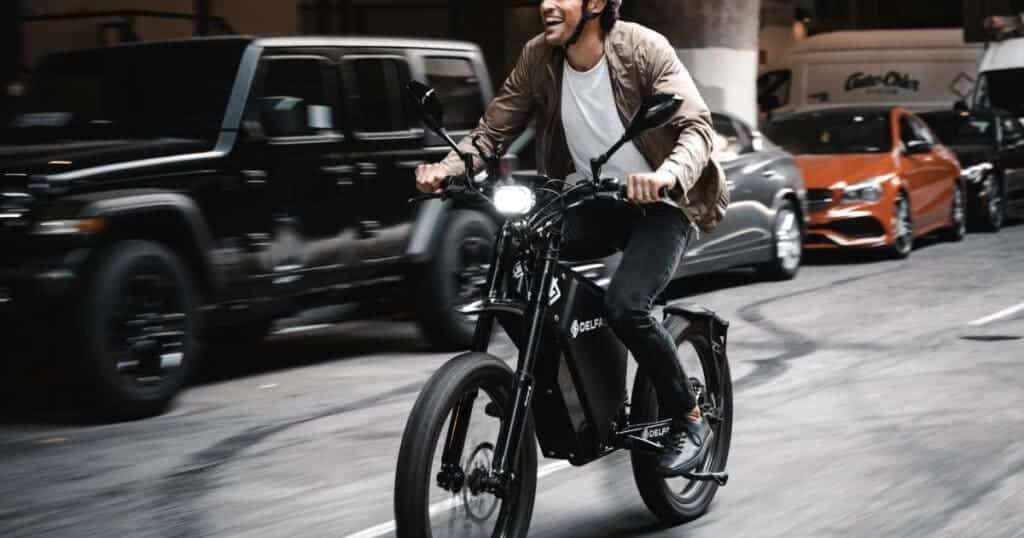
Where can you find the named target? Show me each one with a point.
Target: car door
(942, 169)
(1011, 154)
(386, 142)
(310, 181)
(918, 173)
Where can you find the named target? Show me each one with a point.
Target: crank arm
(720, 478)
(634, 442)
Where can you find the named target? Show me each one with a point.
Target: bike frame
(579, 368)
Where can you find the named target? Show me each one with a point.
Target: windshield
(163, 90)
(956, 130)
(1001, 89)
(828, 133)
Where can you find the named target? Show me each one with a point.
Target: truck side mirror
(284, 116)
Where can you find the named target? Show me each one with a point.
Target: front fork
(510, 435)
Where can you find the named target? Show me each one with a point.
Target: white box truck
(917, 69)
(1001, 73)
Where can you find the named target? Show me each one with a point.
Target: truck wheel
(136, 329)
(454, 278)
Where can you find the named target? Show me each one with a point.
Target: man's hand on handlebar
(430, 177)
(648, 188)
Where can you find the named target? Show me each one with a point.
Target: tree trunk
(717, 41)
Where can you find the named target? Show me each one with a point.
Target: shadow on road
(34, 390)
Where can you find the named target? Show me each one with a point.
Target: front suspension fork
(510, 437)
(452, 476)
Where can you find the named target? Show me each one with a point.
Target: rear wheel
(434, 500)
(679, 500)
(902, 228)
(957, 216)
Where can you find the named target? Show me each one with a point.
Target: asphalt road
(867, 404)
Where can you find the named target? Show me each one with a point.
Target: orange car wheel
(902, 228)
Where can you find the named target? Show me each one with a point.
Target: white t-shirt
(592, 123)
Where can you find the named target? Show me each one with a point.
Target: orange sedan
(876, 178)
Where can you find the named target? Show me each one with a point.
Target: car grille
(818, 199)
(815, 239)
(860, 227)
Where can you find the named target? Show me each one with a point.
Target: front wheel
(434, 499)
(679, 500)
(136, 329)
(902, 228)
(991, 205)
(787, 245)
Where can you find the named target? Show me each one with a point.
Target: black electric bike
(568, 391)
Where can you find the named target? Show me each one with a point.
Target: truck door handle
(367, 169)
(342, 173)
(409, 165)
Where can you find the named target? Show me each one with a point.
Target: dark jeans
(652, 242)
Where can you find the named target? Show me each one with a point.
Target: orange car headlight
(869, 190)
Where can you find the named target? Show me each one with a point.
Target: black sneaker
(685, 448)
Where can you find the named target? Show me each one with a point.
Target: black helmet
(587, 17)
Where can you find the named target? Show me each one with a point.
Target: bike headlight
(514, 200)
(869, 190)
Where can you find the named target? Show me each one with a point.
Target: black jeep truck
(157, 196)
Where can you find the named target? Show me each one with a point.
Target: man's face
(560, 18)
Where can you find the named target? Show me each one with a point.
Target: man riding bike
(581, 80)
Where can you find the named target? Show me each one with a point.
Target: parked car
(990, 146)
(767, 215)
(158, 195)
(876, 177)
(764, 224)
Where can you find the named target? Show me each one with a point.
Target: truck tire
(136, 329)
(458, 267)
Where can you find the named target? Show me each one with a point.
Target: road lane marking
(1001, 315)
(448, 504)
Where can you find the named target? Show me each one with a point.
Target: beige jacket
(641, 62)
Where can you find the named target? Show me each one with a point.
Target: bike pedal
(721, 478)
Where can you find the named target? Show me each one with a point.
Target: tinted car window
(377, 104)
(831, 133)
(956, 130)
(458, 88)
(175, 89)
(921, 131)
(774, 86)
(727, 141)
(305, 78)
(1001, 89)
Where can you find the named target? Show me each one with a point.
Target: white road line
(1001, 315)
(448, 504)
